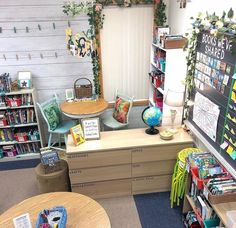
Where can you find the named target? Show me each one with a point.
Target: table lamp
(174, 99)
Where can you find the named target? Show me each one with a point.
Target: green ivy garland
(217, 26)
(96, 19)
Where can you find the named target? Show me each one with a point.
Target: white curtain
(126, 43)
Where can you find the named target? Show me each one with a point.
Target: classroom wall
(179, 19)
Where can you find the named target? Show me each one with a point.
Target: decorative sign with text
(215, 79)
(91, 128)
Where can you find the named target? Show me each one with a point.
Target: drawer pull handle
(137, 150)
(136, 165)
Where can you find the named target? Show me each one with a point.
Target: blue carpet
(155, 212)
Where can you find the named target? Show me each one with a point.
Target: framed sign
(24, 79)
(69, 94)
(91, 128)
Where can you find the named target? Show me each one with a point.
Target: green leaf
(230, 13)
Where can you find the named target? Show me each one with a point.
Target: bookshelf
(167, 71)
(20, 134)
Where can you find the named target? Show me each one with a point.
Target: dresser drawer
(151, 184)
(100, 174)
(103, 189)
(153, 168)
(157, 153)
(96, 159)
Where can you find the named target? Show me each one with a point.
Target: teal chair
(120, 117)
(51, 113)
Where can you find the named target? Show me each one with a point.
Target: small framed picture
(22, 221)
(24, 79)
(91, 128)
(69, 94)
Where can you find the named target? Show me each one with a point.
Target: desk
(82, 211)
(84, 109)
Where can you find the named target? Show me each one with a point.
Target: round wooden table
(82, 211)
(84, 109)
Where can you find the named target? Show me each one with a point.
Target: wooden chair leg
(49, 139)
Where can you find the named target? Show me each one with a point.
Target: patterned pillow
(121, 110)
(52, 114)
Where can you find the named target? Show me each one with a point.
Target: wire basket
(83, 90)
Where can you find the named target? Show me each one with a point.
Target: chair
(120, 117)
(51, 113)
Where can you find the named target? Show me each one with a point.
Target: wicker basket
(83, 90)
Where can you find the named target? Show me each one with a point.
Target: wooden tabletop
(80, 109)
(122, 139)
(222, 208)
(82, 211)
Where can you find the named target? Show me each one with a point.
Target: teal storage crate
(210, 223)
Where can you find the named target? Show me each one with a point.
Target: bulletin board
(214, 111)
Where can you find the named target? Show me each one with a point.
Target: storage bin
(61, 223)
(21, 137)
(199, 182)
(11, 153)
(210, 223)
(231, 219)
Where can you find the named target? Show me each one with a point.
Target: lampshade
(174, 98)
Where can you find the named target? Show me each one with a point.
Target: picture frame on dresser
(91, 128)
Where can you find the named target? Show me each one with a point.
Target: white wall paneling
(35, 50)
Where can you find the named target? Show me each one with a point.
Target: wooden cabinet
(124, 162)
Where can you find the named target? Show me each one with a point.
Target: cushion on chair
(121, 110)
(52, 114)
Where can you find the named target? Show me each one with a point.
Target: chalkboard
(214, 111)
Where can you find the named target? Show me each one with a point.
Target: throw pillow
(52, 114)
(121, 110)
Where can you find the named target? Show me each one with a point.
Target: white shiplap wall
(50, 74)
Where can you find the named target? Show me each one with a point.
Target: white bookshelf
(34, 125)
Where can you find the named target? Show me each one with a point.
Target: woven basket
(83, 90)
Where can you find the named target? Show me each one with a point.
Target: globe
(152, 117)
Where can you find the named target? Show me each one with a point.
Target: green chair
(120, 117)
(51, 113)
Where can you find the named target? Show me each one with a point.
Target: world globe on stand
(152, 116)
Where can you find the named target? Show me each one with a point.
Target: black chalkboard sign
(214, 96)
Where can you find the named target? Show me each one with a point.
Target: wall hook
(27, 29)
(68, 23)
(14, 29)
(56, 54)
(39, 27)
(54, 25)
(0, 29)
(29, 56)
(41, 55)
(4, 56)
(17, 57)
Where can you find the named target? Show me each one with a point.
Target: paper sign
(230, 150)
(91, 128)
(227, 127)
(234, 85)
(226, 136)
(234, 76)
(22, 221)
(233, 96)
(233, 155)
(224, 145)
(232, 131)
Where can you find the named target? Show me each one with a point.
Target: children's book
(77, 134)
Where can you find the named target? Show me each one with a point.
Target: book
(77, 134)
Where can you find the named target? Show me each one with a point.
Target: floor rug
(155, 212)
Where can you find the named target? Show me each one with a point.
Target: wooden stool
(53, 182)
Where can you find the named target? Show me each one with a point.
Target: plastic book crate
(62, 221)
(199, 182)
(211, 223)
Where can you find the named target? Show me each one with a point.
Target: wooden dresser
(124, 162)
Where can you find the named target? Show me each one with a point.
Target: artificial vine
(96, 19)
(217, 26)
(159, 13)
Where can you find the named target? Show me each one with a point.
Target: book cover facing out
(77, 134)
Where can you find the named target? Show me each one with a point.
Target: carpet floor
(141, 211)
